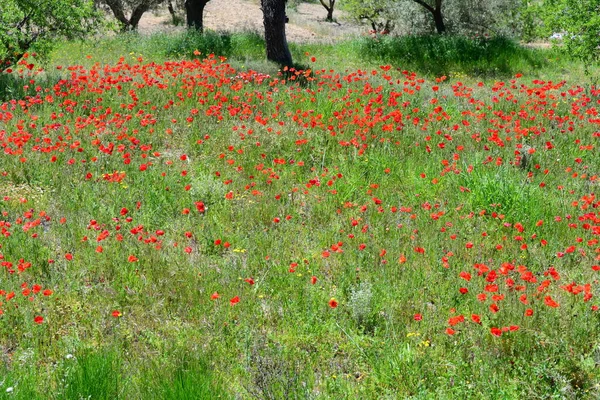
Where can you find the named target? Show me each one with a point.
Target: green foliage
(94, 375)
(529, 21)
(438, 55)
(495, 17)
(246, 46)
(187, 377)
(505, 191)
(26, 24)
(283, 340)
(293, 4)
(380, 14)
(579, 22)
(223, 44)
(211, 42)
(12, 87)
(18, 383)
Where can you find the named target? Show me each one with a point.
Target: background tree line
(27, 24)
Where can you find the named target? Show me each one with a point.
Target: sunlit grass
(175, 226)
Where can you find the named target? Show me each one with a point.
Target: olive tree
(494, 17)
(29, 24)
(135, 8)
(328, 5)
(193, 10)
(380, 14)
(274, 20)
(501, 17)
(578, 23)
(434, 7)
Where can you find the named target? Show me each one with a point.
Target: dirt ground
(307, 22)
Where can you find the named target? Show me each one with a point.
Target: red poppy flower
(38, 320)
(333, 303)
(234, 301)
(550, 302)
(116, 313)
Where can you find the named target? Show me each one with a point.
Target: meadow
(394, 218)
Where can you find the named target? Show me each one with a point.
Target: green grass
(100, 374)
(457, 56)
(94, 375)
(386, 187)
(188, 377)
(441, 55)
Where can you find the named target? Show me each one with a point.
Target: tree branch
(427, 6)
(324, 5)
(117, 8)
(24, 21)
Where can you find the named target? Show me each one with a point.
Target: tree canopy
(577, 23)
(443, 16)
(28, 24)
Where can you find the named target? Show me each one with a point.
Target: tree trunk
(195, 13)
(436, 12)
(117, 8)
(136, 15)
(274, 22)
(329, 8)
(438, 18)
(172, 12)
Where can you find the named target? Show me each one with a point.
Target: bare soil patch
(307, 23)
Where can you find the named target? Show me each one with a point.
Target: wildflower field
(192, 229)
